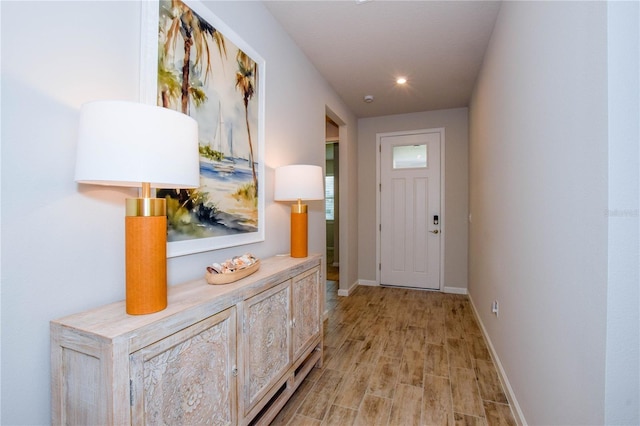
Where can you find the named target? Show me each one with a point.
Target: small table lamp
(297, 183)
(138, 145)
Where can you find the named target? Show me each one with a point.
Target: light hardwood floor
(400, 357)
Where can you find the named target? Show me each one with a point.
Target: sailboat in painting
(220, 152)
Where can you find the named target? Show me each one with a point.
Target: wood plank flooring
(400, 357)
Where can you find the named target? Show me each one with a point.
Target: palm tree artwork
(245, 81)
(200, 72)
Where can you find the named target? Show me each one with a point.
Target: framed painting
(193, 63)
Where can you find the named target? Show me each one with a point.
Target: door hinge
(379, 266)
(131, 392)
(380, 227)
(380, 187)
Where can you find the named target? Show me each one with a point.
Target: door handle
(435, 231)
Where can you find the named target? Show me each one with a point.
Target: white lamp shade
(299, 182)
(126, 143)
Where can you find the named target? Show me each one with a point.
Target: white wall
(622, 387)
(538, 199)
(62, 244)
(455, 123)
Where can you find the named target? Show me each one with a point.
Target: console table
(218, 354)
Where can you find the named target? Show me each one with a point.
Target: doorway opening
(332, 205)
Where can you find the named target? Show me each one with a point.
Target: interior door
(410, 220)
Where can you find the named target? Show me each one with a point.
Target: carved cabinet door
(188, 377)
(266, 337)
(306, 310)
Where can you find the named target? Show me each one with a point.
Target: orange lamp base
(146, 264)
(299, 234)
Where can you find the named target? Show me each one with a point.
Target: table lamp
(137, 145)
(296, 183)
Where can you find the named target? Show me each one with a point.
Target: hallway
(400, 357)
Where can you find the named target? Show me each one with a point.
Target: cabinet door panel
(188, 378)
(266, 339)
(306, 310)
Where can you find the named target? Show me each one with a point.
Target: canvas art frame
(225, 93)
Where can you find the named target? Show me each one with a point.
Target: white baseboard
(352, 288)
(455, 290)
(372, 283)
(513, 402)
(348, 291)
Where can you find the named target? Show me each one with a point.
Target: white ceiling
(360, 49)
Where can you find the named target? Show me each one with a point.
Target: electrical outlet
(495, 307)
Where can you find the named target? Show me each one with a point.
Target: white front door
(410, 219)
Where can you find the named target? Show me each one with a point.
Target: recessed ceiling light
(401, 80)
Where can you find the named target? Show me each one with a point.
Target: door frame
(443, 223)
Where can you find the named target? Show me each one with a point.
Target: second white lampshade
(299, 182)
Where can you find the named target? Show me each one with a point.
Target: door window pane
(409, 156)
(328, 197)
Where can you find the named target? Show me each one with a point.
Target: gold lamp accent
(137, 145)
(297, 183)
